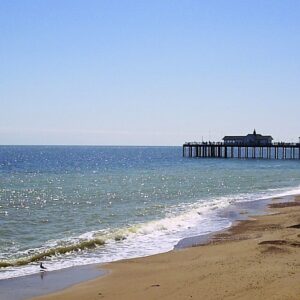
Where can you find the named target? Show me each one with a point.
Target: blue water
(74, 205)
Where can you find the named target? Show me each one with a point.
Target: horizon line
(84, 145)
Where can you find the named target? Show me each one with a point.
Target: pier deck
(242, 150)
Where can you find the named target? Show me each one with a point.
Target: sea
(76, 205)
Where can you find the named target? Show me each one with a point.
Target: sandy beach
(255, 259)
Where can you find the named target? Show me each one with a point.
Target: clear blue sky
(148, 72)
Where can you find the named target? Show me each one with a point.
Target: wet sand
(256, 259)
(41, 283)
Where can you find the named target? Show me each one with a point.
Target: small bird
(42, 267)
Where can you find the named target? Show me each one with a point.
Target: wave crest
(90, 244)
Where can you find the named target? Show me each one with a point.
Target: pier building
(254, 138)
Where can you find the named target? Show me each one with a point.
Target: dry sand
(256, 259)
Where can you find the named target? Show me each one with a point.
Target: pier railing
(277, 150)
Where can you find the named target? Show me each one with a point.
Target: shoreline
(255, 253)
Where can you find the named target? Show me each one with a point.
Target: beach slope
(255, 259)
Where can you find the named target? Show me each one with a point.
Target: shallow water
(71, 206)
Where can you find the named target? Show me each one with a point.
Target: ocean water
(75, 205)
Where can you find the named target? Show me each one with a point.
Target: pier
(254, 146)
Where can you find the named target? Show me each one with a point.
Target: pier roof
(253, 136)
(256, 136)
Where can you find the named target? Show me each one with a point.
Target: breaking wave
(91, 244)
(156, 236)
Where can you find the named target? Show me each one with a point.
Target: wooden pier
(252, 145)
(238, 150)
